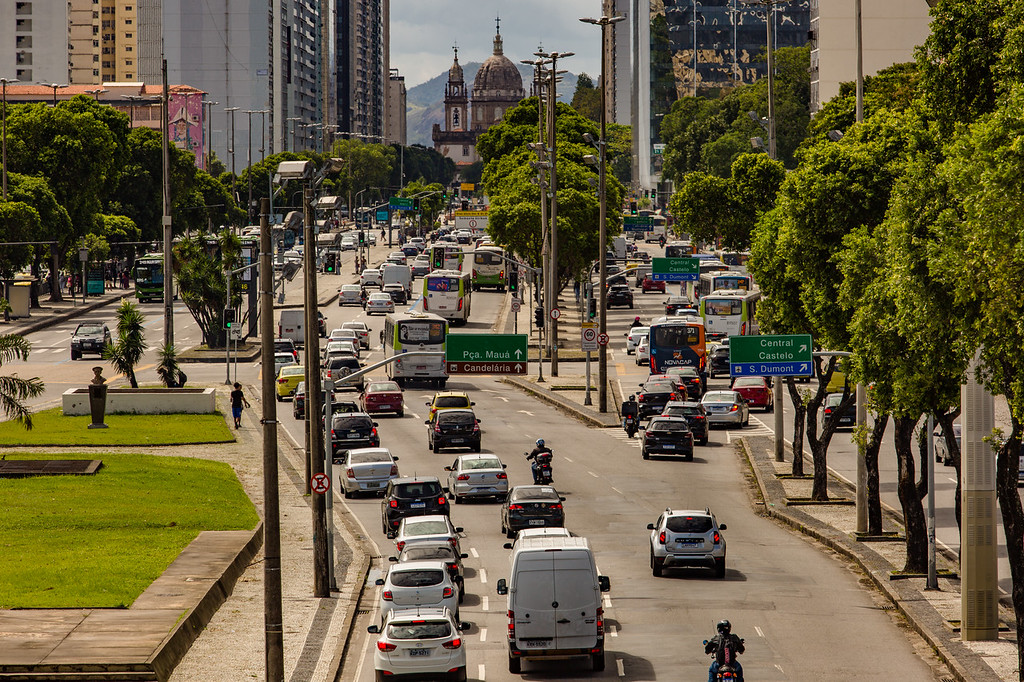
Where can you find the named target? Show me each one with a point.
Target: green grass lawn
(51, 427)
(99, 541)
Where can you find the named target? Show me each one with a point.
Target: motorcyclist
(538, 454)
(636, 322)
(725, 646)
(630, 408)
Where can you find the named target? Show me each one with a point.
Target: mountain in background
(425, 102)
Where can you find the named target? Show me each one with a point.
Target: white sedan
(643, 350)
(362, 332)
(367, 470)
(420, 642)
(633, 337)
(350, 294)
(476, 476)
(379, 303)
(416, 584)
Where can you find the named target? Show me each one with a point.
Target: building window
(127, 48)
(23, 74)
(129, 36)
(128, 76)
(128, 62)
(23, 42)
(23, 8)
(465, 150)
(127, 21)
(23, 25)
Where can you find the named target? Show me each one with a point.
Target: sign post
(675, 269)
(785, 355)
(588, 342)
(486, 353)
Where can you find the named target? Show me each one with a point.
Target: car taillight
(460, 304)
(442, 500)
(400, 545)
(447, 593)
(332, 432)
(743, 328)
(554, 506)
(463, 477)
(386, 595)
(386, 646)
(515, 507)
(474, 273)
(600, 620)
(393, 503)
(451, 567)
(424, 303)
(828, 411)
(640, 398)
(373, 432)
(437, 428)
(502, 476)
(672, 396)
(282, 381)
(454, 644)
(476, 427)
(511, 625)
(350, 473)
(661, 538)
(394, 469)
(716, 538)
(695, 380)
(734, 408)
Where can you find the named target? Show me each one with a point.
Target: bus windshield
(723, 306)
(676, 335)
(683, 250)
(443, 284)
(149, 274)
(421, 332)
(487, 258)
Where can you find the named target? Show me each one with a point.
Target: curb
(923, 620)
(587, 417)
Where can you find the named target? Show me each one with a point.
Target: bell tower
(456, 100)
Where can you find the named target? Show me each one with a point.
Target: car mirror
(378, 581)
(447, 468)
(463, 556)
(373, 629)
(504, 466)
(426, 421)
(502, 586)
(459, 529)
(477, 421)
(427, 404)
(471, 403)
(643, 428)
(393, 559)
(507, 545)
(561, 499)
(394, 458)
(465, 625)
(376, 424)
(604, 582)
(722, 526)
(444, 490)
(650, 526)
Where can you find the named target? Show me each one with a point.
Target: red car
(383, 396)
(651, 285)
(757, 391)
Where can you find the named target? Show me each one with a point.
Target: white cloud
(424, 31)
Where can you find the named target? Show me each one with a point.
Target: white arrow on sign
(803, 367)
(519, 368)
(803, 349)
(519, 353)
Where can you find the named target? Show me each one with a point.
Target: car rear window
(415, 553)
(680, 410)
(535, 494)
(367, 457)
(422, 489)
(383, 386)
(660, 425)
(659, 387)
(720, 397)
(425, 527)
(756, 382)
(420, 577)
(457, 418)
(489, 463)
(352, 423)
(420, 630)
(688, 524)
(451, 401)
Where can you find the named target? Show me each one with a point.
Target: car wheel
(515, 665)
(462, 591)
(347, 493)
(509, 533)
(720, 568)
(379, 676)
(703, 441)
(746, 420)
(712, 375)
(630, 306)
(400, 414)
(74, 355)
(435, 447)
(279, 398)
(688, 456)
(456, 499)
(459, 675)
(644, 454)
(597, 660)
(656, 566)
(476, 448)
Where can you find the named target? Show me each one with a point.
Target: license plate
(534, 643)
(373, 485)
(418, 505)
(419, 652)
(536, 522)
(421, 366)
(689, 543)
(457, 440)
(668, 447)
(353, 435)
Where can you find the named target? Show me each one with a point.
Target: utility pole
(231, 150)
(248, 164)
(166, 157)
(272, 604)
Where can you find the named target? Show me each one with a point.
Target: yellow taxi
(288, 380)
(449, 400)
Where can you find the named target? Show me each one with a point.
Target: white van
(554, 601)
(392, 273)
(291, 325)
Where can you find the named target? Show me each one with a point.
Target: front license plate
(419, 652)
(536, 522)
(418, 505)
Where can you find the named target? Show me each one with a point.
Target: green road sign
(675, 269)
(401, 203)
(638, 221)
(771, 355)
(486, 353)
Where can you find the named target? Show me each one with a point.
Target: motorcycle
(725, 672)
(542, 474)
(629, 423)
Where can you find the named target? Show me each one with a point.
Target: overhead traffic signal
(632, 207)
(538, 316)
(362, 237)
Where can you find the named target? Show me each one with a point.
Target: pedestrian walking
(237, 400)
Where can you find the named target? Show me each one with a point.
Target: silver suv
(687, 537)
(89, 337)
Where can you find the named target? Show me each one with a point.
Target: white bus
(409, 331)
(730, 312)
(448, 293)
(489, 268)
(713, 281)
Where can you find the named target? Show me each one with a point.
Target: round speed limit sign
(555, 313)
(515, 305)
(589, 335)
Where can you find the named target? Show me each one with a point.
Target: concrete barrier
(144, 401)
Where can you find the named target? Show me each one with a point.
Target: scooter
(542, 474)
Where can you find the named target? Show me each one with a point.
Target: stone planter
(75, 401)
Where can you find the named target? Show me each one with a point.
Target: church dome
(498, 75)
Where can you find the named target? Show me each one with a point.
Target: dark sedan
(355, 430)
(690, 378)
(453, 429)
(396, 292)
(718, 360)
(619, 294)
(412, 497)
(654, 395)
(695, 417)
(830, 410)
(675, 303)
(667, 435)
(531, 506)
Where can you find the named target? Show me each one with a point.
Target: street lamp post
(248, 164)
(541, 165)
(294, 121)
(231, 150)
(132, 99)
(55, 87)
(5, 81)
(605, 22)
(207, 142)
(96, 93)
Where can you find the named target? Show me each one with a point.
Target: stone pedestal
(98, 399)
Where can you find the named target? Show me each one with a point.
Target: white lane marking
(758, 631)
(500, 397)
(483, 575)
(526, 413)
(480, 672)
(780, 668)
(607, 601)
(593, 474)
(618, 491)
(728, 437)
(618, 665)
(483, 634)
(567, 459)
(414, 415)
(486, 604)
(473, 553)
(613, 631)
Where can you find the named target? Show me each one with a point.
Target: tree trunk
(33, 293)
(799, 416)
(819, 446)
(1007, 467)
(913, 512)
(55, 295)
(874, 444)
(946, 419)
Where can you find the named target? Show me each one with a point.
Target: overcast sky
(424, 31)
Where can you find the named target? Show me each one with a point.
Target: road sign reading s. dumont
(486, 353)
(781, 355)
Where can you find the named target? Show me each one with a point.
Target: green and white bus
(730, 312)
(715, 281)
(448, 293)
(414, 330)
(149, 277)
(489, 268)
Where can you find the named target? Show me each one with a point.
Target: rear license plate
(418, 505)
(457, 440)
(688, 543)
(534, 643)
(421, 366)
(372, 485)
(536, 522)
(419, 652)
(353, 435)
(668, 447)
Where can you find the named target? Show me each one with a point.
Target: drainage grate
(364, 612)
(887, 607)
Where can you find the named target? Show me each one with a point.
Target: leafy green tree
(14, 390)
(202, 285)
(367, 165)
(424, 164)
(896, 87)
(19, 221)
(704, 205)
(587, 98)
(168, 368)
(129, 345)
(52, 218)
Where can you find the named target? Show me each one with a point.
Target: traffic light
(362, 238)
(632, 207)
(591, 308)
(538, 316)
(438, 263)
(513, 280)
(229, 317)
(330, 263)
(416, 205)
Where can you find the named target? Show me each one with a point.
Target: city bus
(446, 257)
(489, 268)
(730, 312)
(680, 250)
(448, 293)
(659, 229)
(677, 342)
(733, 258)
(713, 281)
(414, 330)
(149, 277)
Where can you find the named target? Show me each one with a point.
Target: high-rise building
(890, 29)
(363, 66)
(34, 41)
(394, 115)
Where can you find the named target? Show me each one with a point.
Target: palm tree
(168, 369)
(127, 350)
(13, 389)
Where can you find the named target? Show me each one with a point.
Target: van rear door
(577, 599)
(533, 599)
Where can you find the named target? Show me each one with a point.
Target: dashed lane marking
(567, 459)
(473, 553)
(613, 631)
(483, 634)
(480, 672)
(759, 632)
(593, 474)
(486, 604)
(618, 491)
(619, 667)
(483, 575)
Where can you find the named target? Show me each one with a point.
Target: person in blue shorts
(237, 400)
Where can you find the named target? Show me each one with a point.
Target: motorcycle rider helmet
(540, 442)
(636, 319)
(724, 627)
(632, 398)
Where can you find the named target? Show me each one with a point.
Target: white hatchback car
(476, 476)
(420, 642)
(367, 470)
(429, 528)
(633, 338)
(350, 294)
(643, 350)
(417, 584)
(362, 332)
(379, 303)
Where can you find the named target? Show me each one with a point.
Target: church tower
(456, 141)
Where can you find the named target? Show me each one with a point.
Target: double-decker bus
(149, 277)
(489, 268)
(448, 293)
(677, 342)
(713, 281)
(730, 312)
(415, 331)
(446, 257)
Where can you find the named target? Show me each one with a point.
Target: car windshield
(90, 330)
(658, 387)
(425, 527)
(482, 463)
(417, 553)
(720, 397)
(368, 457)
(349, 422)
(542, 493)
(679, 410)
(297, 370)
(451, 401)
(757, 382)
(664, 425)
(383, 387)
(688, 524)
(420, 630)
(420, 489)
(456, 417)
(421, 577)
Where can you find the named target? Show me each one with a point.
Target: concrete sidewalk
(934, 615)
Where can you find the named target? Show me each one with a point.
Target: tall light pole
(263, 133)
(208, 140)
(231, 150)
(541, 165)
(294, 120)
(769, 20)
(695, 3)
(55, 87)
(248, 164)
(605, 22)
(132, 99)
(5, 81)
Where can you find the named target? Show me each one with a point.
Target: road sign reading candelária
(675, 269)
(486, 353)
(781, 355)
